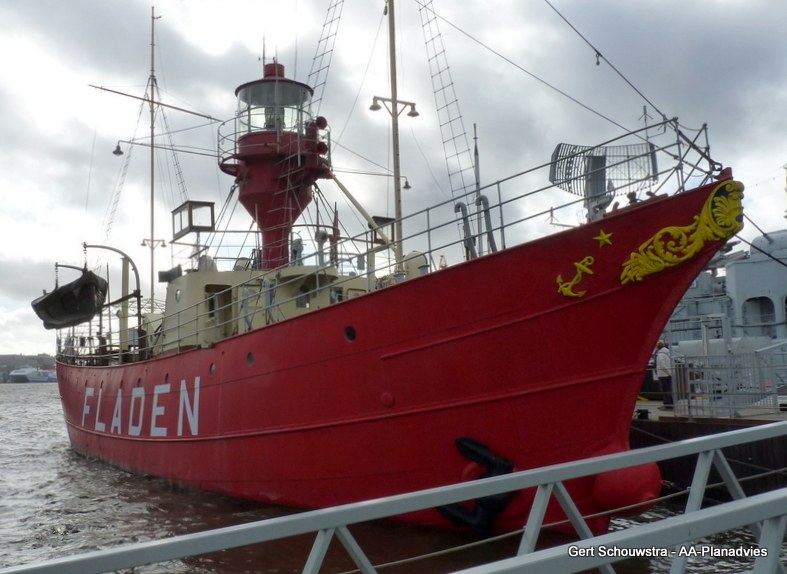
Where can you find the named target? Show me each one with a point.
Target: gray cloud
(714, 61)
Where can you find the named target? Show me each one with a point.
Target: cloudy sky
(720, 62)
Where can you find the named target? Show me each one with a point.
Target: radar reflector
(600, 173)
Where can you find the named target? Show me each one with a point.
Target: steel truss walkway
(764, 514)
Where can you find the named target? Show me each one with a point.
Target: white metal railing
(771, 366)
(733, 386)
(279, 120)
(764, 514)
(431, 231)
(666, 536)
(692, 328)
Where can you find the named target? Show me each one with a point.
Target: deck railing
(741, 385)
(507, 212)
(765, 515)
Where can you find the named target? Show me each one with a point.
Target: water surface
(57, 503)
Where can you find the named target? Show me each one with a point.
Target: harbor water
(57, 503)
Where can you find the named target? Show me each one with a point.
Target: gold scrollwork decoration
(721, 218)
(583, 267)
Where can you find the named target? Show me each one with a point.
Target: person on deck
(664, 373)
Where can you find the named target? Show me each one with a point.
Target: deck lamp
(413, 113)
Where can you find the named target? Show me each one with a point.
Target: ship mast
(398, 251)
(395, 110)
(151, 90)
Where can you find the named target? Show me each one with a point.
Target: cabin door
(220, 319)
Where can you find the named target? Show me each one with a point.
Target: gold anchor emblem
(567, 287)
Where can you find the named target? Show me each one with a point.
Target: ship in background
(32, 375)
(738, 304)
(343, 367)
(728, 335)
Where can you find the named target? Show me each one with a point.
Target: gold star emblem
(603, 238)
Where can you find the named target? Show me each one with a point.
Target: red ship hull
(366, 398)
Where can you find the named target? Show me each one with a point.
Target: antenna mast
(395, 135)
(152, 88)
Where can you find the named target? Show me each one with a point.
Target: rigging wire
(522, 69)
(600, 56)
(90, 169)
(112, 206)
(361, 83)
(425, 159)
(565, 522)
(766, 472)
(322, 200)
(297, 38)
(321, 63)
(363, 157)
(751, 245)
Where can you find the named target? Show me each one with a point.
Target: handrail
(653, 538)
(735, 385)
(430, 231)
(769, 508)
(770, 348)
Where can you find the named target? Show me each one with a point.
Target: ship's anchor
(481, 516)
(583, 267)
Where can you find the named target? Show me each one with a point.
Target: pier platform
(760, 466)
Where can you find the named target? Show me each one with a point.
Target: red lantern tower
(275, 154)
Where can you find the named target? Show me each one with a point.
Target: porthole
(213, 368)
(349, 333)
(250, 358)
